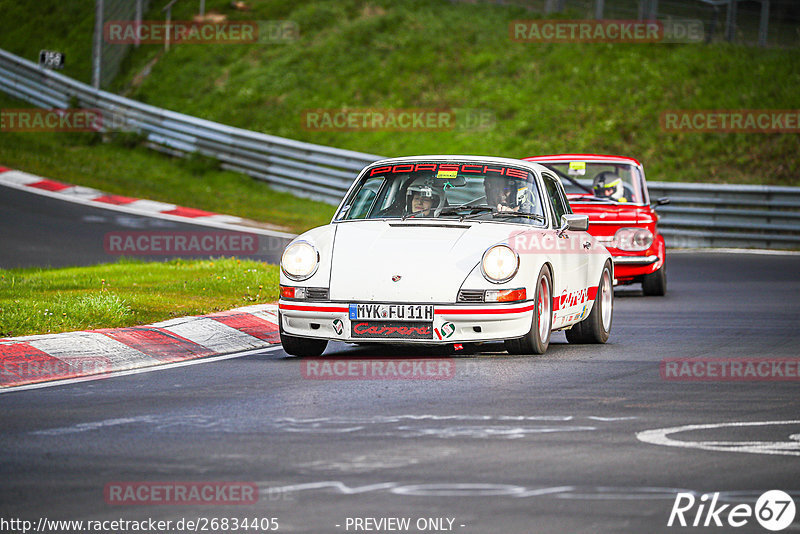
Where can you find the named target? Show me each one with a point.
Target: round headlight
(633, 239)
(499, 264)
(299, 260)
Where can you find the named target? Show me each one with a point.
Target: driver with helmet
(508, 194)
(424, 198)
(609, 185)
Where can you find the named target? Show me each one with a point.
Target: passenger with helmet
(508, 194)
(424, 198)
(609, 185)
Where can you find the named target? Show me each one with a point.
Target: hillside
(436, 54)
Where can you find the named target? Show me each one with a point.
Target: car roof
(583, 157)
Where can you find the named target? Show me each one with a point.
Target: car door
(570, 287)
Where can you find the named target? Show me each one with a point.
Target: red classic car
(612, 191)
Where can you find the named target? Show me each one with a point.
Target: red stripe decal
(49, 185)
(21, 363)
(294, 307)
(593, 292)
(188, 212)
(4, 169)
(250, 324)
(487, 311)
(158, 343)
(115, 199)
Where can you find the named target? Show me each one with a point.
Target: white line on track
(659, 436)
(139, 371)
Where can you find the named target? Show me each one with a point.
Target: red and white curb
(94, 197)
(101, 353)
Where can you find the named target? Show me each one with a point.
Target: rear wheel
(538, 338)
(655, 284)
(597, 326)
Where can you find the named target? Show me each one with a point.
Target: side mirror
(571, 221)
(662, 201)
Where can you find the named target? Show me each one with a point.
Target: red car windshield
(617, 182)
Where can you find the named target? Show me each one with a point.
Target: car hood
(431, 259)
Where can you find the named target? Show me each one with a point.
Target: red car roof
(583, 157)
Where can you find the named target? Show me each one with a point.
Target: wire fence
(106, 57)
(749, 22)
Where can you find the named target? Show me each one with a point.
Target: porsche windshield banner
(446, 170)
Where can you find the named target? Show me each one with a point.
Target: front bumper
(635, 260)
(470, 322)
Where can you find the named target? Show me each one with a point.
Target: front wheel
(597, 326)
(655, 284)
(301, 346)
(538, 338)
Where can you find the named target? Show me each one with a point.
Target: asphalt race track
(40, 231)
(509, 444)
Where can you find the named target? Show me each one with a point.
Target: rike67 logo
(774, 510)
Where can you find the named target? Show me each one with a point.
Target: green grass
(127, 293)
(79, 158)
(547, 98)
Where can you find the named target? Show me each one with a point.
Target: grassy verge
(121, 167)
(434, 54)
(127, 293)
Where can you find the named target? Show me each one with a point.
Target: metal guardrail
(315, 171)
(700, 215)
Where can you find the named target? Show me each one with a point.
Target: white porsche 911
(447, 250)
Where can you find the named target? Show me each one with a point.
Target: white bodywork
(360, 262)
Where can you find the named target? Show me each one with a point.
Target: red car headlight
(633, 239)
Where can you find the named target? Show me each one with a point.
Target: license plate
(391, 312)
(391, 329)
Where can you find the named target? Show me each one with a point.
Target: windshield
(618, 182)
(439, 190)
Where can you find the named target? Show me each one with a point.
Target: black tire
(592, 329)
(534, 342)
(655, 284)
(301, 346)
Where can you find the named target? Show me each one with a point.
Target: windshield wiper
(454, 210)
(594, 199)
(510, 214)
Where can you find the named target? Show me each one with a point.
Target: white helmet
(426, 188)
